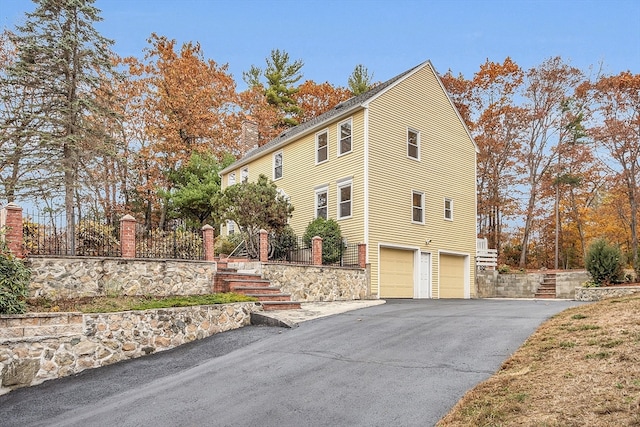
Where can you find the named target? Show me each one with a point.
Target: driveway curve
(404, 363)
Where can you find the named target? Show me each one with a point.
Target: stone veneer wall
(493, 285)
(308, 283)
(70, 277)
(597, 294)
(41, 346)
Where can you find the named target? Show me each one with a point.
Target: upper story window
(277, 165)
(322, 147)
(231, 179)
(417, 203)
(322, 201)
(244, 175)
(345, 197)
(344, 137)
(413, 144)
(448, 209)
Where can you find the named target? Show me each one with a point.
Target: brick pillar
(13, 233)
(316, 250)
(207, 241)
(264, 246)
(128, 236)
(362, 255)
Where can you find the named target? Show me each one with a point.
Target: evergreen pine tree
(61, 58)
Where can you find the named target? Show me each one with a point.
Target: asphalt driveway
(403, 363)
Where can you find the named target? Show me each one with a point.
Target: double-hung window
(413, 144)
(344, 137)
(417, 203)
(448, 209)
(345, 198)
(322, 146)
(231, 179)
(277, 165)
(322, 201)
(244, 175)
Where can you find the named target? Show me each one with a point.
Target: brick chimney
(249, 135)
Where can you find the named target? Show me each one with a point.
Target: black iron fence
(49, 234)
(289, 249)
(176, 242)
(295, 250)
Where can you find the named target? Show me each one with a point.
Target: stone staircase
(250, 284)
(547, 288)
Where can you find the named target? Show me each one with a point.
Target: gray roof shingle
(339, 109)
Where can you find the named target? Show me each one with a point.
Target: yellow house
(396, 168)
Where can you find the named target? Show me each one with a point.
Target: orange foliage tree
(615, 127)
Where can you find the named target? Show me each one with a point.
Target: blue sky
(387, 36)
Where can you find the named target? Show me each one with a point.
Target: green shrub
(283, 243)
(604, 262)
(331, 235)
(14, 282)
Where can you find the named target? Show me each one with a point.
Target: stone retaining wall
(491, 284)
(71, 277)
(41, 346)
(308, 283)
(597, 294)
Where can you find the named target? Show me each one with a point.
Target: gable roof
(343, 109)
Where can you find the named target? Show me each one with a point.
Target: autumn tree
(616, 128)
(281, 75)
(60, 59)
(547, 87)
(360, 81)
(487, 105)
(190, 105)
(315, 99)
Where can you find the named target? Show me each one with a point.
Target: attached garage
(452, 276)
(396, 273)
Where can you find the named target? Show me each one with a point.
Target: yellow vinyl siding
(301, 176)
(446, 169)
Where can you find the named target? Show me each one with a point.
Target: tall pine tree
(61, 58)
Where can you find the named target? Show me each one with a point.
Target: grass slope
(580, 368)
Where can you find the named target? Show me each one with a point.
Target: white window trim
(350, 121)
(318, 190)
(324, 131)
(347, 182)
(244, 174)
(273, 166)
(450, 208)
(417, 132)
(421, 193)
(231, 179)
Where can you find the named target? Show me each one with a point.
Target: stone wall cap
(127, 217)
(207, 227)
